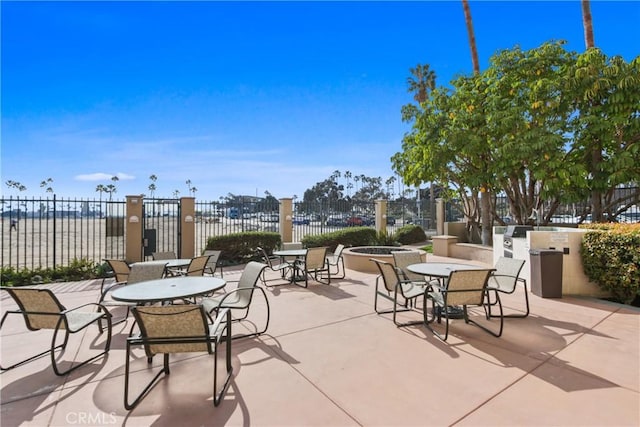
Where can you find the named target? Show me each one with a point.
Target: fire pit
(358, 257)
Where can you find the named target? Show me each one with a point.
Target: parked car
(391, 220)
(359, 220)
(336, 220)
(301, 220)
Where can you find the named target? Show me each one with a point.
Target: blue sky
(242, 97)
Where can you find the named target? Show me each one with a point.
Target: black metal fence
(54, 231)
(50, 232)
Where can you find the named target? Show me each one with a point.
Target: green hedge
(611, 258)
(352, 236)
(78, 269)
(410, 234)
(240, 248)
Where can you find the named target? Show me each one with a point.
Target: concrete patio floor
(328, 359)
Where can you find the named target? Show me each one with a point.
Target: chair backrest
(197, 265)
(506, 275)
(31, 300)
(338, 252)
(212, 263)
(402, 259)
(120, 269)
(173, 328)
(265, 257)
(248, 281)
(292, 245)
(316, 258)
(389, 274)
(467, 287)
(142, 272)
(164, 255)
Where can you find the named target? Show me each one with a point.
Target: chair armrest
(110, 287)
(94, 304)
(215, 327)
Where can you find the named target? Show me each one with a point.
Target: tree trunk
(587, 24)
(485, 197)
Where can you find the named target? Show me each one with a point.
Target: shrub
(78, 269)
(611, 258)
(410, 234)
(385, 239)
(353, 236)
(240, 248)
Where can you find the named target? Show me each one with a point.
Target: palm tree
(347, 175)
(46, 183)
(596, 153)
(587, 23)
(101, 189)
(152, 186)
(421, 81)
(485, 194)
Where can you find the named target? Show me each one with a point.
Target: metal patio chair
(314, 266)
(505, 279)
(213, 262)
(402, 259)
(138, 273)
(403, 293)
(241, 297)
(336, 260)
(273, 264)
(463, 288)
(41, 309)
(173, 329)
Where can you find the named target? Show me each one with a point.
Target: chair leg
(217, 397)
(495, 334)
(165, 370)
(107, 346)
(254, 334)
(29, 359)
(437, 315)
(512, 316)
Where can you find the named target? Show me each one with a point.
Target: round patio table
(169, 289)
(439, 269)
(170, 263)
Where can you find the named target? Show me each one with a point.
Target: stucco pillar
(286, 220)
(133, 225)
(381, 216)
(187, 227)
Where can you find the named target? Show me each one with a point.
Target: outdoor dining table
(442, 270)
(170, 263)
(168, 289)
(297, 254)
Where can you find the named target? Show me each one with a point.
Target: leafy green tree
(605, 96)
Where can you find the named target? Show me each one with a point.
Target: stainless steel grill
(513, 232)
